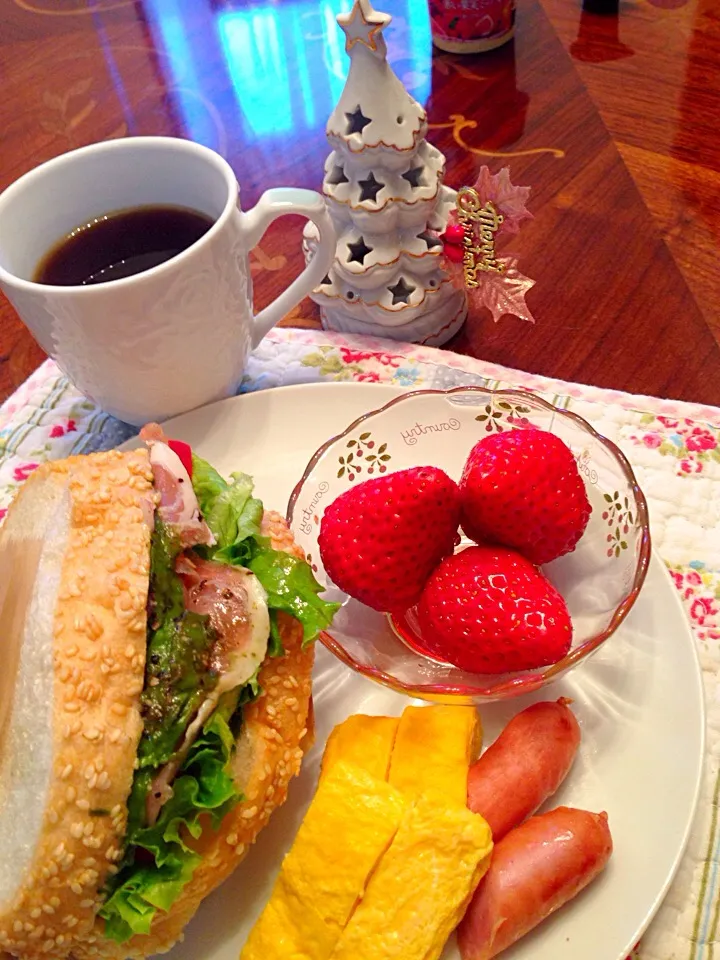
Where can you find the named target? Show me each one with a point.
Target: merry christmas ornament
(385, 193)
(492, 208)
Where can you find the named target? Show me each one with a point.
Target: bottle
(471, 26)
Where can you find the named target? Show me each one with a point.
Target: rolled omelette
(421, 886)
(364, 741)
(434, 747)
(347, 828)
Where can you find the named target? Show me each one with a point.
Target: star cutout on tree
(337, 176)
(430, 239)
(370, 187)
(414, 176)
(357, 121)
(363, 25)
(358, 251)
(401, 292)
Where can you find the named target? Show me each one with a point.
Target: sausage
(525, 765)
(537, 868)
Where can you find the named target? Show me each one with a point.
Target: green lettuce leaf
(229, 509)
(207, 483)
(234, 516)
(291, 586)
(275, 644)
(158, 862)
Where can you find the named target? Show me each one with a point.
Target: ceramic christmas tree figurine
(384, 188)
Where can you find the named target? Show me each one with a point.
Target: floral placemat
(674, 448)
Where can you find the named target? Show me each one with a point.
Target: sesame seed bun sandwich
(155, 694)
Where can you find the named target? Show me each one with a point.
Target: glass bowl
(600, 580)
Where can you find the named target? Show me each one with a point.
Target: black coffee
(121, 244)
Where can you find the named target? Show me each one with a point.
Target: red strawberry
(523, 489)
(381, 540)
(489, 610)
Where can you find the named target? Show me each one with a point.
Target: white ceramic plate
(638, 700)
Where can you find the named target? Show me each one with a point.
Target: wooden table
(612, 119)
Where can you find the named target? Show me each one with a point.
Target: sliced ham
(178, 506)
(236, 603)
(152, 432)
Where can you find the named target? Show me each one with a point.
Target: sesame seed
(70, 794)
(232, 839)
(35, 913)
(83, 805)
(86, 904)
(240, 849)
(66, 772)
(76, 830)
(249, 813)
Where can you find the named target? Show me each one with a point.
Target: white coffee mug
(177, 336)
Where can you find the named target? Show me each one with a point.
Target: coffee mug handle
(271, 205)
